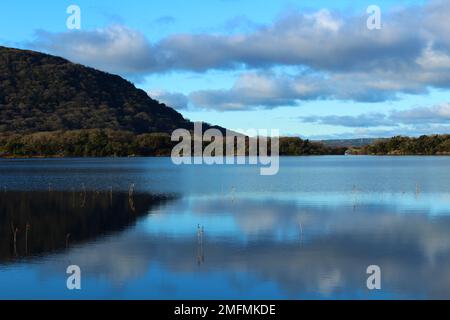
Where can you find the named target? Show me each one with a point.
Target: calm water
(309, 232)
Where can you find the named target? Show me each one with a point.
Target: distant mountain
(40, 92)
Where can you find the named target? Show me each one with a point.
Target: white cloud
(439, 114)
(414, 121)
(116, 49)
(345, 60)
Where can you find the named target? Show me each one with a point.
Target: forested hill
(39, 92)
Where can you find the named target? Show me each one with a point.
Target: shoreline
(281, 156)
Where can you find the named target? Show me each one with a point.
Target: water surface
(309, 232)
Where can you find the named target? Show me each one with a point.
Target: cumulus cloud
(412, 122)
(364, 120)
(322, 40)
(116, 49)
(345, 60)
(439, 115)
(255, 89)
(270, 90)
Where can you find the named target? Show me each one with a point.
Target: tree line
(424, 145)
(112, 143)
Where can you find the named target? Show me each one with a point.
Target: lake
(143, 228)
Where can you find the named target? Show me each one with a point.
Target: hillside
(42, 93)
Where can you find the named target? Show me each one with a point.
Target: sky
(308, 68)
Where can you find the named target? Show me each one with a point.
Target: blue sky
(308, 68)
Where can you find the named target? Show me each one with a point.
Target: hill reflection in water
(36, 223)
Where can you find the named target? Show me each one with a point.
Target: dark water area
(310, 232)
(35, 223)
